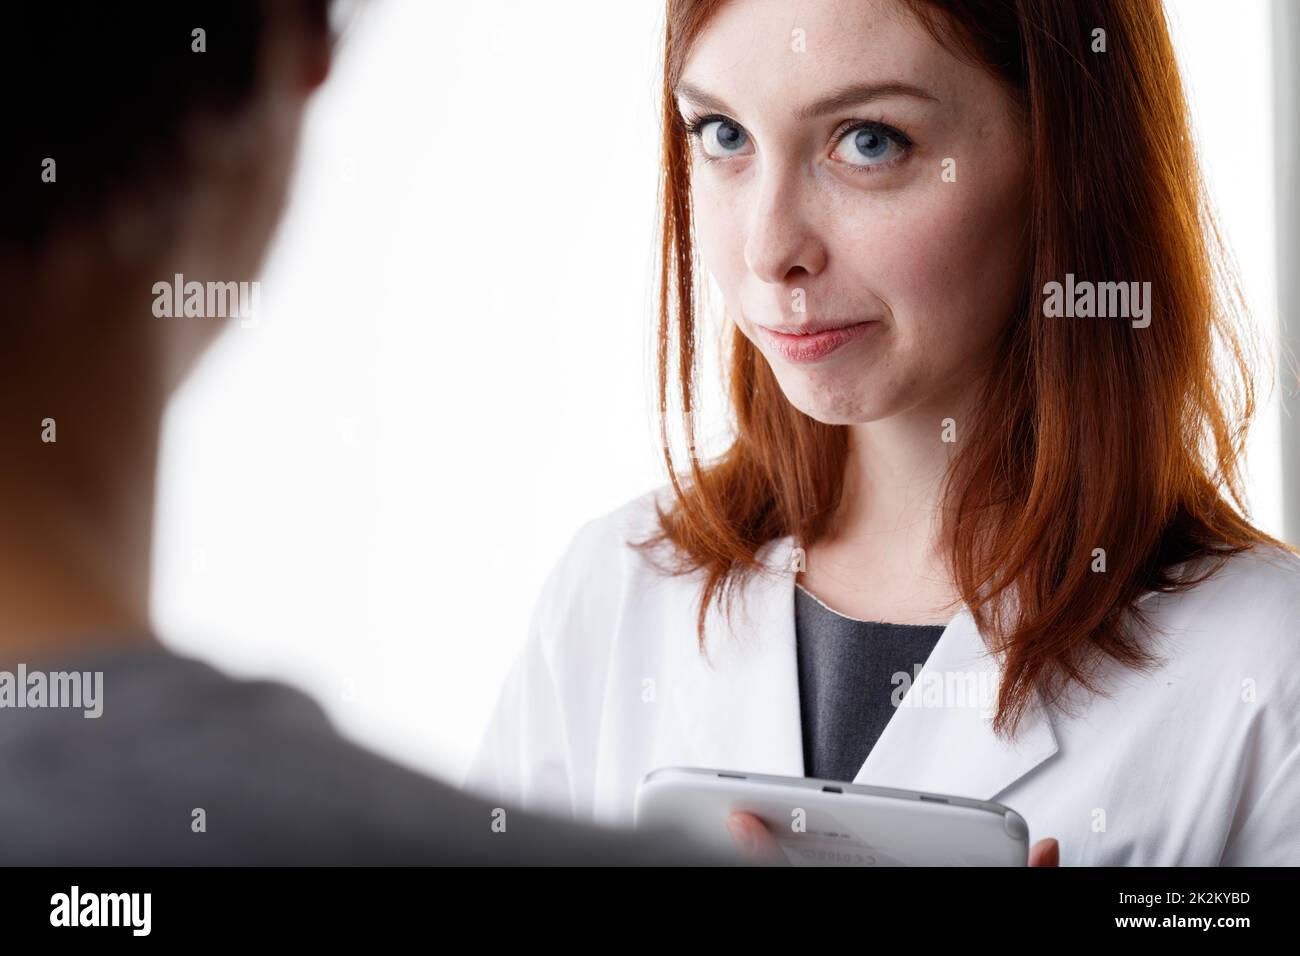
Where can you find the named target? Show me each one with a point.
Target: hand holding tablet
(804, 821)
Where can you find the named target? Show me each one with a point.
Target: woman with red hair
(961, 540)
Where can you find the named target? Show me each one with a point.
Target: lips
(814, 328)
(816, 341)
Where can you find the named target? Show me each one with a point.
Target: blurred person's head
(144, 141)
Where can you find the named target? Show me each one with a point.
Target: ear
(317, 58)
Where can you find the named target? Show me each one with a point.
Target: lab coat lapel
(739, 708)
(941, 738)
(742, 712)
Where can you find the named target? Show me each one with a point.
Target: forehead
(761, 53)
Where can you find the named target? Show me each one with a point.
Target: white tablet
(828, 823)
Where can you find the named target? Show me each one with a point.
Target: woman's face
(848, 169)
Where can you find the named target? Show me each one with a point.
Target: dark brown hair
(110, 90)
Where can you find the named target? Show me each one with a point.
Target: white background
(453, 368)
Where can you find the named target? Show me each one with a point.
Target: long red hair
(1099, 435)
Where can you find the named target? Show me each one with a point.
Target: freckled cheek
(720, 242)
(941, 266)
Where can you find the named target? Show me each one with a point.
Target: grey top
(187, 765)
(847, 679)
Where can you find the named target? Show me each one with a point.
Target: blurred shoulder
(1246, 613)
(601, 573)
(1259, 584)
(637, 517)
(605, 545)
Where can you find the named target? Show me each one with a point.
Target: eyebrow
(843, 98)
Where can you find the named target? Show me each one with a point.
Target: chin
(838, 416)
(833, 403)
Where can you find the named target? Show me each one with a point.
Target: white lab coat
(1194, 763)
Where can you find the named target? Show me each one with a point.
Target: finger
(752, 837)
(1046, 852)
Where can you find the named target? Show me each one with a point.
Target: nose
(782, 243)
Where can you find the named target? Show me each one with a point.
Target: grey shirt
(847, 679)
(188, 765)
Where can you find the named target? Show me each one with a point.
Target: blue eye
(718, 136)
(871, 144)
